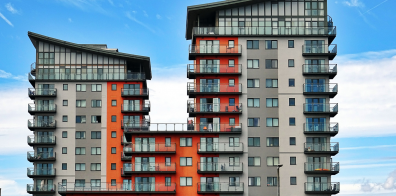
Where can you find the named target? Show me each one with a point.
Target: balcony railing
(132, 124)
(89, 77)
(321, 108)
(320, 69)
(322, 167)
(325, 147)
(31, 172)
(320, 49)
(185, 128)
(220, 187)
(322, 187)
(112, 188)
(42, 140)
(41, 156)
(45, 124)
(321, 88)
(136, 107)
(47, 108)
(331, 128)
(215, 49)
(214, 69)
(150, 148)
(125, 92)
(149, 168)
(220, 147)
(213, 108)
(41, 92)
(125, 158)
(228, 167)
(40, 188)
(214, 88)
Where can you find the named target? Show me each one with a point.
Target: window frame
(67, 87)
(253, 43)
(113, 102)
(64, 166)
(272, 83)
(65, 118)
(289, 61)
(80, 164)
(80, 149)
(271, 141)
(115, 150)
(272, 102)
(290, 141)
(94, 103)
(272, 123)
(254, 101)
(114, 132)
(64, 134)
(64, 150)
(292, 82)
(113, 87)
(291, 119)
(269, 44)
(294, 101)
(186, 161)
(253, 83)
(96, 135)
(81, 88)
(254, 141)
(186, 141)
(288, 43)
(255, 181)
(254, 161)
(80, 132)
(258, 122)
(65, 101)
(269, 63)
(291, 180)
(253, 63)
(186, 181)
(295, 160)
(96, 87)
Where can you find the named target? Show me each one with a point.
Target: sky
(156, 28)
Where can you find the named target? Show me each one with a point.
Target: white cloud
(6, 20)
(6, 75)
(367, 147)
(11, 187)
(128, 15)
(354, 3)
(70, 20)
(11, 8)
(158, 16)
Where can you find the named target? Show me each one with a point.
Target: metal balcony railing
(184, 127)
(41, 156)
(150, 147)
(41, 108)
(322, 167)
(41, 92)
(322, 187)
(321, 88)
(213, 107)
(97, 76)
(41, 172)
(148, 167)
(215, 49)
(42, 124)
(134, 92)
(321, 107)
(220, 147)
(320, 69)
(31, 188)
(116, 188)
(320, 49)
(220, 167)
(214, 88)
(220, 187)
(290, 30)
(136, 107)
(214, 68)
(321, 147)
(321, 127)
(31, 139)
(132, 124)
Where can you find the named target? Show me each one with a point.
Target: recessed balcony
(148, 168)
(42, 92)
(33, 156)
(326, 188)
(330, 90)
(221, 187)
(330, 148)
(35, 109)
(150, 148)
(214, 50)
(331, 168)
(130, 92)
(220, 168)
(136, 108)
(45, 172)
(44, 124)
(41, 140)
(194, 89)
(220, 148)
(321, 128)
(320, 50)
(321, 109)
(329, 70)
(213, 108)
(194, 70)
(184, 128)
(41, 188)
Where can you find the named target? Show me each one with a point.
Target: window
(271, 44)
(185, 141)
(185, 181)
(272, 181)
(253, 44)
(254, 142)
(81, 103)
(46, 57)
(231, 102)
(254, 181)
(233, 181)
(254, 161)
(231, 63)
(291, 82)
(290, 43)
(96, 119)
(81, 87)
(96, 87)
(113, 166)
(272, 102)
(271, 83)
(253, 64)
(95, 150)
(292, 121)
(231, 82)
(253, 83)
(80, 166)
(65, 103)
(113, 150)
(113, 134)
(234, 161)
(64, 134)
(292, 141)
(293, 180)
(230, 43)
(64, 166)
(113, 181)
(254, 102)
(113, 118)
(64, 118)
(80, 134)
(290, 63)
(64, 182)
(114, 87)
(271, 64)
(233, 141)
(80, 183)
(113, 102)
(96, 103)
(96, 135)
(272, 161)
(167, 181)
(95, 166)
(64, 150)
(65, 87)
(272, 122)
(167, 142)
(185, 161)
(80, 150)
(292, 101)
(167, 161)
(272, 142)
(231, 121)
(253, 122)
(292, 160)
(95, 182)
(81, 119)
(314, 8)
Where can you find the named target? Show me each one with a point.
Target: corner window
(253, 44)
(271, 44)
(271, 63)
(290, 63)
(290, 44)
(253, 83)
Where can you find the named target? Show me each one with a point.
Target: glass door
(127, 184)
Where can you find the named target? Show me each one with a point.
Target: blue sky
(156, 28)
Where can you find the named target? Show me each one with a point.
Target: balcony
(148, 168)
(133, 76)
(41, 188)
(320, 50)
(41, 140)
(33, 68)
(321, 128)
(326, 188)
(150, 148)
(33, 109)
(220, 168)
(41, 92)
(331, 168)
(130, 92)
(330, 148)
(220, 148)
(118, 188)
(47, 124)
(220, 187)
(185, 128)
(33, 156)
(213, 108)
(329, 70)
(213, 69)
(34, 172)
(136, 108)
(125, 158)
(321, 109)
(194, 89)
(131, 125)
(214, 50)
(330, 90)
